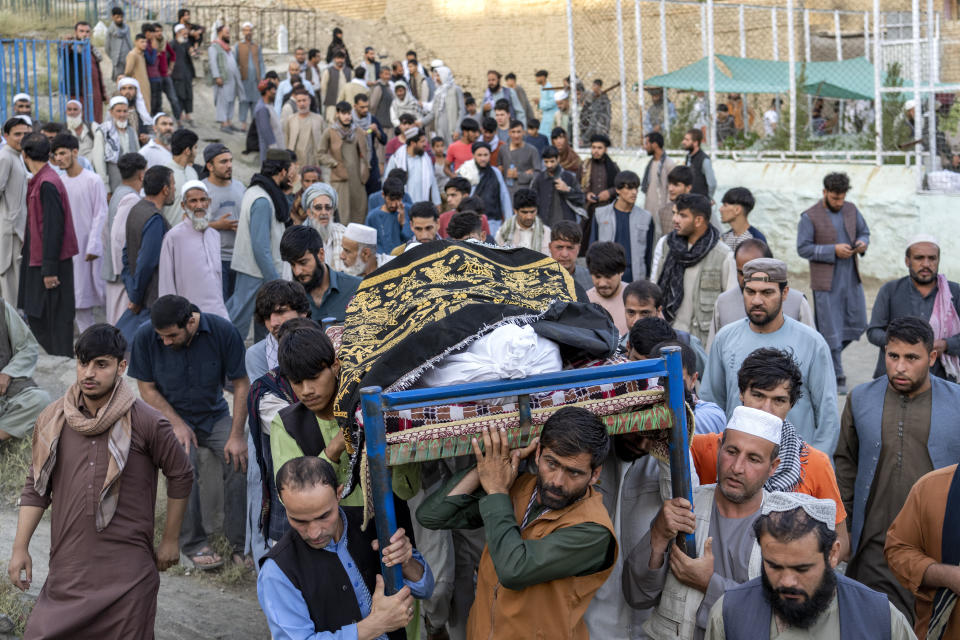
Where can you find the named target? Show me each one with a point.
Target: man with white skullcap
(924, 293)
(658, 573)
(157, 149)
(359, 250)
(119, 137)
(799, 594)
(190, 254)
(421, 180)
(22, 105)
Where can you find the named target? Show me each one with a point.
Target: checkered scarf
(793, 455)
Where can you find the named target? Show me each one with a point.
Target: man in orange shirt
(770, 380)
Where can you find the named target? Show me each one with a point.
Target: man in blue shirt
(329, 291)
(304, 579)
(180, 360)
(390, 219)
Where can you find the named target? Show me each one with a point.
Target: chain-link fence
(767, 81)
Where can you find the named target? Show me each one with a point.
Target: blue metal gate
(51, 72)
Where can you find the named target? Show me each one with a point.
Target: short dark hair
(680, 174)
(695, 203)
(130, 163)
(313, 53)
(601, 138)
(740, 196)
(181, 13)
(695, 134)
(787, 526)
(911, 330)
(626, 179)
(398, 174)
(542, 73)
(550, 152)
(468, 100)
(515, 124)
(360, 72)
(303, 354)
(55, 128)
(305, 472)
(756, 245)
(472, 203)
(463, 223)
(469, 124)
(769, 367)
(647, 332)
(566, 231)
(273, 166)
(64, 141)
(606, 259)
(265, 88)
(36, 147)
(558, 132)
(100, 339)
(571, 431)
(170, 311)
(279, 293)
(524, 197)
(501, 105)
(156, 178)
(140, 35)
(644, 290)
(488, 124)
(360, 97)
(182, 140)
(344, 107)
(116, 11)
(423, 209)
(510, 76)
(836, 182)
(13, 122)
(459, 183)
(688, 358)
(407, 118)
(495, 72)
(655, 137)
(298, 240)
(533, 123)
(393, 188)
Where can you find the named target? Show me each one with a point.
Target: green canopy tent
(842, 79)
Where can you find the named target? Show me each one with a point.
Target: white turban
(192, 184)
(141, 105)
(361, 233)
(246, 24)
(115, 100)
(22, 96)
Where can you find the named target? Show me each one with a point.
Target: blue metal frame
(374, 402)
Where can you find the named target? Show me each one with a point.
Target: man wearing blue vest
(893, 431)
(799, 594)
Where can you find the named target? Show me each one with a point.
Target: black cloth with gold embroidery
(437, 298)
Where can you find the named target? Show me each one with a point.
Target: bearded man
(550, 542)
(799, 594)
(190, 254)
(96, 452)
(358, 251)
(329, 291)
(343, 148)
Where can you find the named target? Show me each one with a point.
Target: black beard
(550, 500)
(317, 278)
(830, 207)
(803, 614)
(770, 317)
(926, 280)
(226, 39)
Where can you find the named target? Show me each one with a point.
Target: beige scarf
(113, 416)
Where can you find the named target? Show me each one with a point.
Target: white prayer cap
(115, 100)
(246, 25)
(411, 133)
(76, 102)
(22, 96)
(437, 62)
(158, 115)
(192, 184)
(561, 95)
(25, 119)
(178, 28)
(756, 423)
(127, 82)
(361, 233)
(820, 509)
(909, 104)
(923, 237)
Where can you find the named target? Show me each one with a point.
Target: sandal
(205, 566)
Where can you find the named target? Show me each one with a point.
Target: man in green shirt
(550, 543)
(308, 360)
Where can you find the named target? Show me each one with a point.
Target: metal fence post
(574, 111)
(774, 34)
(623, 77)
(711, 80)
(866, 35)
(877, 81)
(932, 82)
(792, 72)
(918, 110)
(638, 27)
(836, 34)
(682, 487)
(663, 64)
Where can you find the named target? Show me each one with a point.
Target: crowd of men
(575, 535)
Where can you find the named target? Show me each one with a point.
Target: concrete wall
(886, 196)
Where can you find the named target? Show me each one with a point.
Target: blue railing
(374, 402)
(51, 72)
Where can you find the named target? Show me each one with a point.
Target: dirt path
(188, 608)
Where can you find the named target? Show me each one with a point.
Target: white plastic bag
(506, 353)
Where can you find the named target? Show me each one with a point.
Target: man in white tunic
(228, 83)
(88, 205)
(190, 254)
(13, 206)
